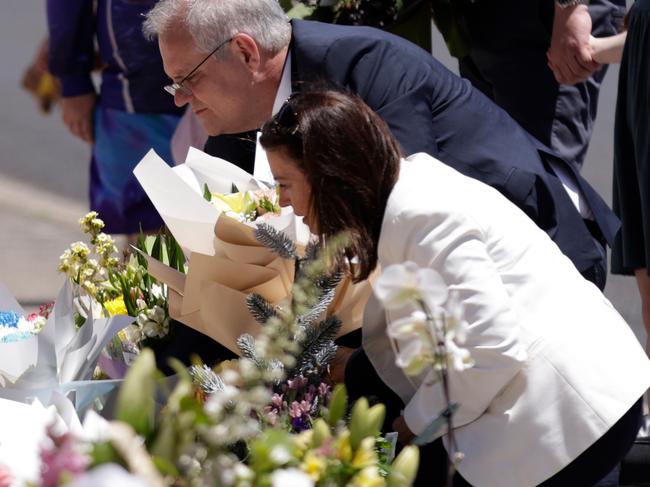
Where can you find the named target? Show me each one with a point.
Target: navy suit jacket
(430, 109)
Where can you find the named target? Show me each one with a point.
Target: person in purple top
(129, 115)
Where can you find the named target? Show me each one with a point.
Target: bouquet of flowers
(226, 261)
(226, 437)
(110, 286)
(50, 353)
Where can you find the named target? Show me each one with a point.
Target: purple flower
(299, 424)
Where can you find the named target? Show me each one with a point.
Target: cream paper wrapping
(226, 262)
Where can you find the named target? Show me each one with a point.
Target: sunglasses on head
(285, 122)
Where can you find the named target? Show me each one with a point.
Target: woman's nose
(285, 200)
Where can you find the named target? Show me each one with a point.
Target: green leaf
(104, 452)
(166, 467)
(358, 422)
(233, 188)
(207, 194)
(156, 250)
(136, 404)
(164, 446)
(337, 406)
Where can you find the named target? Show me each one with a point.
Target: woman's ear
(246, 50)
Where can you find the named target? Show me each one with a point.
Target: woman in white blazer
(554, 395)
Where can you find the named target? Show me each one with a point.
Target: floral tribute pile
(269, 418)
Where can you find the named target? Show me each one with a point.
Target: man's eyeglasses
(178, 87)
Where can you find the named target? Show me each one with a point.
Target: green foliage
(135, 403)
(338, 405)
(207, 194)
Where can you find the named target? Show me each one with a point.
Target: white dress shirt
(262, 170)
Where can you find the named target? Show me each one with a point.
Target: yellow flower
(343, 447)
(368, 477)
(116, 307)
(365, 455)
(313, 465)
(236, 202)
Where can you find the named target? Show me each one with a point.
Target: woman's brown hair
(350, 159)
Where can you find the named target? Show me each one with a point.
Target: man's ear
(246, 50)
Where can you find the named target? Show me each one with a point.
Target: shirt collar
(284, 90)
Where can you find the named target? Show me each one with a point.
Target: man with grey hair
(227, 57)
(236, 61)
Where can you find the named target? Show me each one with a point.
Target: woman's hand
(77, 113)
(404, 434)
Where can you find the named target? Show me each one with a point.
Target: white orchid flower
(459, 358)
(413, 356)
(402, 283)
(411, 327)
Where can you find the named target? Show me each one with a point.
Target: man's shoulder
(322, 37)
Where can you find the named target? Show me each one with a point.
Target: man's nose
(181, 98)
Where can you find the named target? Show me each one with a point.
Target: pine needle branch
(260, 308)
(275, 241)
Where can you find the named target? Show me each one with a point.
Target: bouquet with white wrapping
(58, 356)
(213, 209)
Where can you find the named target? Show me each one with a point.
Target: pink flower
(295, 411)
(62, 457)
(323, 390)
(5, 476)
(276, 401)
(46, 309)
(305, 407)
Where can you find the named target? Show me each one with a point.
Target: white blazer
(555, 365)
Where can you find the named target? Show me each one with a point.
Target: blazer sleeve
(71, 49)
(454, 245)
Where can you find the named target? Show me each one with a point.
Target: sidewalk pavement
(37, 227)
